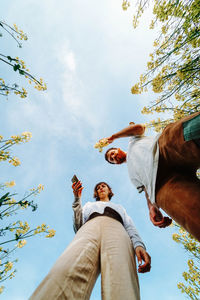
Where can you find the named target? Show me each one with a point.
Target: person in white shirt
(165, 167)
(106, 242)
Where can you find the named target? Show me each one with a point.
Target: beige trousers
(100, 245)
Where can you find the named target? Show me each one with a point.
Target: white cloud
(70, 61)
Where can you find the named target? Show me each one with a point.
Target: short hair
(96, 194)
(106, 155)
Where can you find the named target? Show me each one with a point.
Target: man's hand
(155, 214)
(157, 218)
(142, 255)
(77, 188)
(110, 139)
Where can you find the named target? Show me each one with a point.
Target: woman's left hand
(142, 255)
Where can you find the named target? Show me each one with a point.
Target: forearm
(77, 208)
(129, 131)
(133, 233)
(149, 204)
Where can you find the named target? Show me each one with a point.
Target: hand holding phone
(76, 186)
(74, 179)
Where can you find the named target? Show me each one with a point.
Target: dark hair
(96, 194)
(106, 155)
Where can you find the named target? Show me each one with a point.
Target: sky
(89, 55)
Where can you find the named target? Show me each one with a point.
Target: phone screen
(74, 179)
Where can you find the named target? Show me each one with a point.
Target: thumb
(139, 258)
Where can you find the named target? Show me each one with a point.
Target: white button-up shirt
(142, 162)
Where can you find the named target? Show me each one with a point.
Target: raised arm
(155, 214)
(76, 206)
(131, 130)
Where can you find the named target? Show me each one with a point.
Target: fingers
(110, 139)
(139, 258)
(157, 223)
(167, 221)
(75, 185)
(142, 255)
(146, 267)
(77, 188)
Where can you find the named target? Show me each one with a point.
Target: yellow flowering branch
(192, 276)
(17, 65)
(16, 232)
(6, 144)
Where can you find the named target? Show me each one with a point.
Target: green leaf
(21, 72)
(4, 196)
(16, 67)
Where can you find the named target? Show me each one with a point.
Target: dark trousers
(177, 186)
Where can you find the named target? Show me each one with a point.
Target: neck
(104, 199)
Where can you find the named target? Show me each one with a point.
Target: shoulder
(117, 206)
(88, 204)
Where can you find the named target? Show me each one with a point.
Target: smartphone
(74, 179)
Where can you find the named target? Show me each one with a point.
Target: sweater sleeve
(78, 216)
(132, 232)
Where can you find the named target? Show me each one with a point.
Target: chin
(121, 160)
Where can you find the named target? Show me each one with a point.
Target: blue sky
(89, 55)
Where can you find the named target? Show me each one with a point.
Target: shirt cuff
(139, 244)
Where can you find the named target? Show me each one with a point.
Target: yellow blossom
(157, 84)
(21, 243)
(10, 184)
(52, 232)
(40, 187)
(1, 289)
(101, 143)
(8, 266)
(136, 89)
(125, 4)
(15, 161)
(180, 74)
(164, 29)
(152, 25)
(150, 65)
(11, 201)
(26, 136)
(156, 43)
(41, 228)
(11, 275)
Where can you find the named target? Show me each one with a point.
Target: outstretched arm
(155, 214)
(131, 130)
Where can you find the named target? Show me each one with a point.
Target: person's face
(116, 156)
(102, 191)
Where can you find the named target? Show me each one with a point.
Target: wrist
(114, 136)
